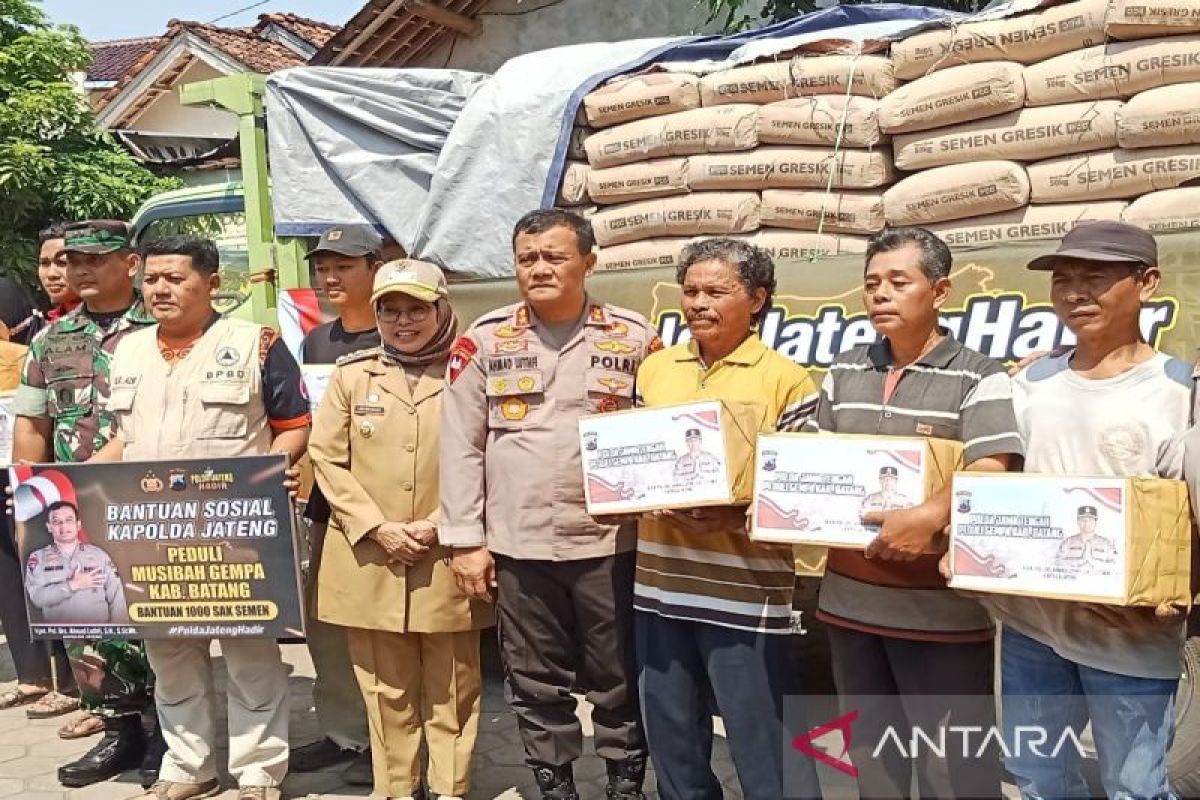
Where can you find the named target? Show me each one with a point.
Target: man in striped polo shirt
(895, 629)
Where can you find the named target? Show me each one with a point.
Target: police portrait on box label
(72, 582)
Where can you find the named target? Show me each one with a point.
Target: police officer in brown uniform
(512, 502)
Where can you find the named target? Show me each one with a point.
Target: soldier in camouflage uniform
(61, 417)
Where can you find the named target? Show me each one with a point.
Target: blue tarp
(499, 144)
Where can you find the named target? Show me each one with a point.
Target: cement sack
(573, 191)
(1025, 39)
(1031, 223)
(958, 94)
(956, 192)
(649, 95)
(801, 76)
(791, 249)
(1113, 174)
(1168, 115)
(687, 215)
(790, 168)
(836, 212)
(641, 255)
(1116, 70)
(1166, 211)
(661, 177)
(701, 130)
(1026, 135)
(818, 120)
(575, 149)
(1139, 19)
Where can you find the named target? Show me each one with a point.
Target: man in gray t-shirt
(1111, 406)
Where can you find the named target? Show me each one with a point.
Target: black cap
(1115, 242)
(889, 471)
(1088, 511)
(692, 433)
(348, 240)
(97, 236)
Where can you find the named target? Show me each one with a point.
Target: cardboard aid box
(1121, 541)
(814, 488)
(679, 456)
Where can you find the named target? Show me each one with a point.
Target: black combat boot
(556, 783)
(625, 779)
(122, 747)
(156, 748)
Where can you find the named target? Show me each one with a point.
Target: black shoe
(625, 779)
(361, 772)
(556, 783)
(156, 748)
(319, 755)
(122, 747)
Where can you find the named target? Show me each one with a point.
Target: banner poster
(651, 458)
(153, 550)
(1038, 535)
(814, 489)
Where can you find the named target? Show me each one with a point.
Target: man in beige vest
(197, 385)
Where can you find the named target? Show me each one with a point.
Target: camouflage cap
(97, 236)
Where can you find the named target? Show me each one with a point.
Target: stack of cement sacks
(786, 154)
(986, 132)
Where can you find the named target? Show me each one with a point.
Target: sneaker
(171, 790)
(259, 793)
(319, 755)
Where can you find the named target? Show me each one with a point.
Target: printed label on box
(815, 489)
(670, 457)
(1040, 535)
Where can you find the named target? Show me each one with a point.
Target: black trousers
(31, 659)
(901, 683)
(568, 626)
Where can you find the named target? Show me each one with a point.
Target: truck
(998, 308)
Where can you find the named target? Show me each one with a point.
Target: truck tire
(1183, 762)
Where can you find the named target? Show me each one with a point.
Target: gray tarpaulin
(446, 161)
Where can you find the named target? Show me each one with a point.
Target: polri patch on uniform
(461, 353)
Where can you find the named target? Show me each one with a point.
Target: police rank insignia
(526, 383)
(513, 409)
(512, 346)
(617, 330)
(500, 386)
(508, 332)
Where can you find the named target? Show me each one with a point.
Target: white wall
(567, 22)
(166, 115)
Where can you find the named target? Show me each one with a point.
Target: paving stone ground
(31, 752)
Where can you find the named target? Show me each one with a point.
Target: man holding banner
(237, 391)
(60, 417)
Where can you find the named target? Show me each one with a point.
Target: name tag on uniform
(369, 411)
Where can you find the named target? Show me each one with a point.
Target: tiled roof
(390, 34)
(313, 31)
(112, 59)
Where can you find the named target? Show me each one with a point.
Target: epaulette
(358, 355)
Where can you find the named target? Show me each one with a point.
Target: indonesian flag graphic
(909, 459)
(602, 491)
(969, 562)
(1109, 498)
(772, 515)
(299, 311)
(34, 493)
(706, 419)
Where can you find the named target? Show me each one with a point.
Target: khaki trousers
(414, 684)
(258, 709)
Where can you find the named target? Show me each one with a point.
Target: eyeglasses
(419, 314)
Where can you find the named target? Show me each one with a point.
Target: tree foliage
(55, 162)
(738, 15)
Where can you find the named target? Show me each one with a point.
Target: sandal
(15, 697)
(52, 704)
(82, 726)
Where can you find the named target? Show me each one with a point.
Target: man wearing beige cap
(413, 636)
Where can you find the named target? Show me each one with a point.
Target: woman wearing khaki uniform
(413, 637)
